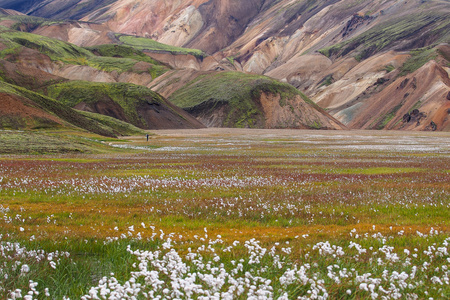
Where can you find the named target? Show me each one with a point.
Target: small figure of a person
(147, 137)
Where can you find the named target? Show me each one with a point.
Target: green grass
(117, 126)
(327, 80)
(375, 170)
(49, 142)
(419, 57)
(121, 51)
(389, 68)
(387, 118)
(110, 64)
(298, 194)
(55, 49)
(123, 58)
(90, 262)
(14, 122)
(145, 44)
(386, 35)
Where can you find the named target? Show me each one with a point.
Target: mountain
(130, 103)
(236, 99)
(333, 51)
(347, 56)
(23, 109)
(115, 80)
(39, 87)
(55, 9)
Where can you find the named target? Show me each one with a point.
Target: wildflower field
(231, 214)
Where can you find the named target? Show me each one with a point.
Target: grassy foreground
(231, 214)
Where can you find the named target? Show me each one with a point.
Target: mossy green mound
(28, 22)
(55, 49)
(123, 58)
(239, 92)
(120, 51)
(121, 100)
(50, 142)
(118, 126)
(72, 118)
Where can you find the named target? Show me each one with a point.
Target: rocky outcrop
(294, 112)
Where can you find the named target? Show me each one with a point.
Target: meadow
(230, 214)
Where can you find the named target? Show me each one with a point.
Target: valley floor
(231, 214)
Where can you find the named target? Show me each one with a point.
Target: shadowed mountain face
(23, 6)
(55, 9)
(345, 55)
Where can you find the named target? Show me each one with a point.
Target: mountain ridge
(348, 49)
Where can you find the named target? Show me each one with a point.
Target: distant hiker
(147, 137)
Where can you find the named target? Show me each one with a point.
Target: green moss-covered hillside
(46, 113)
(107, 58)
(124, 58)
(29, 63)
(122, 100)
(127, 102)
(55, 49)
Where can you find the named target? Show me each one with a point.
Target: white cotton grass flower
(201, 273)
(24, 269)
(53, 265)
(388, 271)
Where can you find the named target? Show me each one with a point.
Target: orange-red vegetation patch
(15, 106)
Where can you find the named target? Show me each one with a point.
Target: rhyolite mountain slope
(345, 55)
(115, 80)
(55, 9)
(39, 87)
